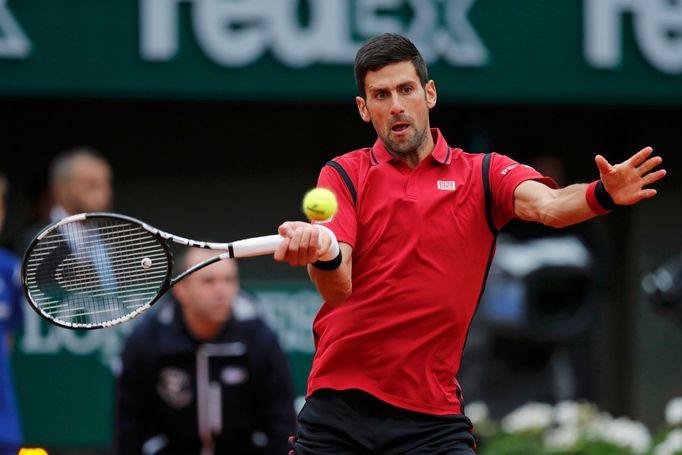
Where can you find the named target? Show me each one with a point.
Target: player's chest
(432, 198)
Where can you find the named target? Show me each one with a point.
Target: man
(416, 227)
(10, 319)
(80, 181)
(200, 378)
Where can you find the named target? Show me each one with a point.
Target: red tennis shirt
(421, 252)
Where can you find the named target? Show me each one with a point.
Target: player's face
(208, 293)
(88, 188)
(398, 107)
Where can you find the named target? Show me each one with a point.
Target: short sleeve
(344, 222)
(505, 176)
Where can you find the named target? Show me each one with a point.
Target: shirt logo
(446, 185)
(508, 168)
(512, 166)
(234, 375)
(175, 387)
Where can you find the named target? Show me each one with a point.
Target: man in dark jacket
(200, 377)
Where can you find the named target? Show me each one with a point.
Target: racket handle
(256, 246)
(267, 244)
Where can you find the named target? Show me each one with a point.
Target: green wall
(495, 51)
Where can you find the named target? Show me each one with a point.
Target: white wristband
(333, 249)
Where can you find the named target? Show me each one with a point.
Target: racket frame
(238, 249)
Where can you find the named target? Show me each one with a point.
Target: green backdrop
(535, 51)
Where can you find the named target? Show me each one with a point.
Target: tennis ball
(319, 204)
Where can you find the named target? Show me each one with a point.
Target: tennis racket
(95, 270)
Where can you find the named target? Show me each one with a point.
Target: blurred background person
(80, 180)
(10, 319)
(201, 376)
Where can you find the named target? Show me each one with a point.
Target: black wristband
(328, 265)
(603, 197)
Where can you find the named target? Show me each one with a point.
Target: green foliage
(531, 444)
(512, 444)
(573, 428)
(595, 448)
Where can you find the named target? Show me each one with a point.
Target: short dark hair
(385, 50)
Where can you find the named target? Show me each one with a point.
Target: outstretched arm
(624, 183)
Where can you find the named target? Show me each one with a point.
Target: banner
(565, 51)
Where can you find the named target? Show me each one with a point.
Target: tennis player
(416, 224)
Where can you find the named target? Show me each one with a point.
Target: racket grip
(256, 246)
(267, 244)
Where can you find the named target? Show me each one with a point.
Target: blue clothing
(10, 319)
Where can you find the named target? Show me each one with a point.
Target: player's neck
(424, 150)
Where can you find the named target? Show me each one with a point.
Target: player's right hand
(627, 182)
(303, 243)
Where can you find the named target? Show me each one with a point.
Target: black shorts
(354, 422)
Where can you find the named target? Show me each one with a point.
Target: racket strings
(96, 271)
(81, 271)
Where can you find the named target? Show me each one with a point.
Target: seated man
(199, 379)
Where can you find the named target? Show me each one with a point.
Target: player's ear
(431, 95)
(362, 108)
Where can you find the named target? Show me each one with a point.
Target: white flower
(671, 445)
(567, 413)
(622, 432)
(574, 413)
(529, 417)
(673, 411)
(477, 412)
(562, 438)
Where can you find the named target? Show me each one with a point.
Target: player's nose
(396, 105)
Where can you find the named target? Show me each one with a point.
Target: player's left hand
(626, 182)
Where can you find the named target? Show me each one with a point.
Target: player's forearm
(568, 206)
(335, 286)
(555, 208)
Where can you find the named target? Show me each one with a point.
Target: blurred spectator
(80, 181)
(202, 376)
(10, 318)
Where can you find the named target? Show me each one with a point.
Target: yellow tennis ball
(319, 204)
